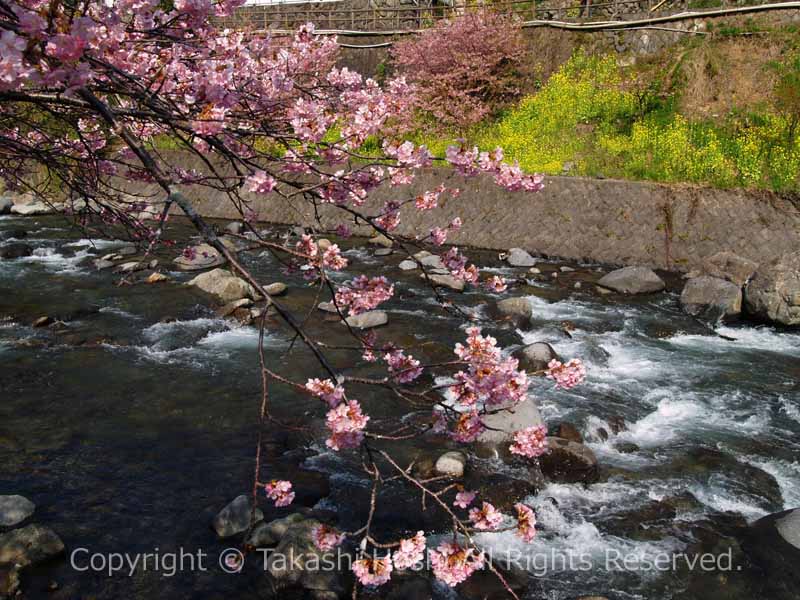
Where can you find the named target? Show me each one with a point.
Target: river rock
(127, 250)
(535, 357)
(328, 307)
(711, 297)
(518, 308)
(276, 289)
(5, 205)
(447, 281)
(485, 585)
(422, 254)
(156, 278)
(567, 431)
(101, 264)
(14, 510)
(224, 285)
(16, 234)
(773, 293)
(568, 462)
(296, 561)
(367, 320)
(131, 267)
(235, 518)
(34, 207)
(231, 307)
(730, 266)
(381, 240)
(407, 265)
(29, 545)
(235, 227)
(15, 251)
(268, 534)
(773, 543)
(203, 257)
(383, 252)
(632, 280)
(9, 581)
(503, 424)
(432, 260)
(324, 243)
(451, 464)
(517, 257)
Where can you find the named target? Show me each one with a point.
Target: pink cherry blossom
(486, 518)
(260, 183)
(405, 368)
(411, 552)
(526, 522)
(453, 564)
(496, 284)
(346, 423)
(530, 442)
(464, 499)
(332, 258)
(373, 571)
(327, 390)
(438, 236)
(280, 491)
(468, 427)
(364, 293)
(326, 538)
(566, 375)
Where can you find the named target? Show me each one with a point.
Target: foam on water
(52, 259)
(99, 244)
(743, 338)
(790, 408)
(787, 474)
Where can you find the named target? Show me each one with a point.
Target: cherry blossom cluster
(530, 442)
(486, 518)
(346, 423)
(364, 293)
(326, 538)
(453, 564)
(566, 375)
(410, 553)
(373, 571)
(331, 258)
(404, 367)
(526, 522)
(280, 492)
(331, 393)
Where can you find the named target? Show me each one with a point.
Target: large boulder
(535, 357)
(27, 205)
(296, 561)
(711, 297)
(568, 462)
(519, 308)
(223, 285)
(730, 266)
(29, 545)
(632, 280)
(14, 510)
(367, 320)
(199, 258)
(517, 257)
(773, 543)
(773, 293)
(268, 534)
(447, 281)
(502, 425)
(236, 517)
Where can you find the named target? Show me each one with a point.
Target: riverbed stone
(503, 424)
(34, 207)
(773, 543)
(730, 266)
(9, 581)
(451, 464)
(231, 307)
(328, 307)
(773, 293)
(5, 205)
(568, 462)
(432, 260)
(367, 320)
(381, 240)
(270, 533)
(296, 561)
(383, 252)
(14, 510)
(102, 265)
(324, 243)
(447, 281)
(711, 297)
(407, 265)
(517, 257)
(29, 545)
(12, 251)
(131, 266)
(223, 285)
(518, 308)
(633, 280)
(276, 289)
(235, 227)
(236, 517)
(202, 257)
(567, 431)
(535, 357)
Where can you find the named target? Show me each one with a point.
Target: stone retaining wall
(594, 220)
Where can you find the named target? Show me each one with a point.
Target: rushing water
(132, 423)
